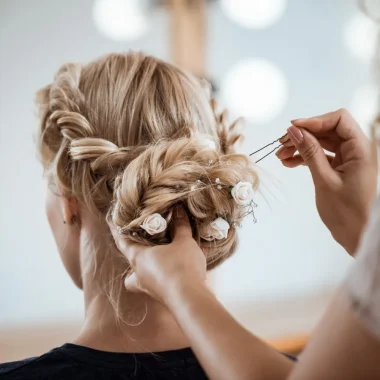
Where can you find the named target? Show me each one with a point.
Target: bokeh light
(360, 36)
(255, 89)
(254, 13)
(364, 106)
(120, 20)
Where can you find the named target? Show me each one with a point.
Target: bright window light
(254, 13)
(255, 89)
(120, 20)
(364, 106)
(360, 35)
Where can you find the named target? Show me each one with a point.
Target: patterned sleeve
(363, 281)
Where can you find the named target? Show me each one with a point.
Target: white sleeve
(363, 281)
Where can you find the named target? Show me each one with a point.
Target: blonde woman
(124, 140)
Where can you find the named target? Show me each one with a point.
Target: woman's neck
(147, 326)
(131, 322)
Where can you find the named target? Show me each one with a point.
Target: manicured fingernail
(297, 121)
(278, 153)
(295, 135)
(288, 143)
(284, 138)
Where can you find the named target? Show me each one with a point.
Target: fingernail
(288, 143)
(296, 121)
(283, 138)
(278, 153)
(295, 135)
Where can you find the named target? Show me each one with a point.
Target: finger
(313, 155)
(128, 248)
(293, 162)
(132, 284)
(297, 160)
(180, 227)
(284, 140)
(286, 152)
(329, 143)
(340, 121)
(288, 143)
(332, 145)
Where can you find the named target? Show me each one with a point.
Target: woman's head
(124, 137)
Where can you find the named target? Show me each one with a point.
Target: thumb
(181, 225)
(312, 154)
(132, 284)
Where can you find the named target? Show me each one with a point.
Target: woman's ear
(70, 210)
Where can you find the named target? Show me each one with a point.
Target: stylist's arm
(175, 274)
(345, 182)
(345, 186)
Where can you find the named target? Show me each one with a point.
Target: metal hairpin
(266, 146)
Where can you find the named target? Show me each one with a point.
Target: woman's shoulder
(7, 368)
(45, 366)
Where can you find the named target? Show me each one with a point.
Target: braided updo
(125, 135)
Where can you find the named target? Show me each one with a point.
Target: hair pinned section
(179, 172)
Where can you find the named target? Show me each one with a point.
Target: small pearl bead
(193, 188)
(211, 162)
(217, 180)
(199, 181)
(219, 187)
(134, 233)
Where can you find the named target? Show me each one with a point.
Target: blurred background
(270, 61)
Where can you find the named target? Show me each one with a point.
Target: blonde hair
(125, 136)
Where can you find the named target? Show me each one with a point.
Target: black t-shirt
(72, 362)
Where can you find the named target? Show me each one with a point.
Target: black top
(71, 362)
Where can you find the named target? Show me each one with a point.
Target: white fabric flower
(209, 144)
(220, 228)
(206, 142)
(243, 193)
(217, 229)
(154, 224)
(206, 232)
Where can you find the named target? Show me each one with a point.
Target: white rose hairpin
(206, 142)
(242, 193)
(216, 230)
(209, 144)
(154, 224)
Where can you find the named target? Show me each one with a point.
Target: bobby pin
(266, 146)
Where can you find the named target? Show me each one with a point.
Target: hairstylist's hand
(345, 183)
(159, 269)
